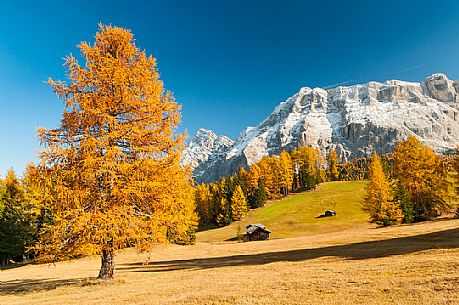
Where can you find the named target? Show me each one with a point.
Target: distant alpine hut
(257, 231)
(329, 213)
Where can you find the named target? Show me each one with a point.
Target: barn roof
(255, 227)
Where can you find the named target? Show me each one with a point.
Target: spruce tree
(16, 224)
(402, 197)
(259, 198)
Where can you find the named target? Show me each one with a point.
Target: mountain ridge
(355, 120)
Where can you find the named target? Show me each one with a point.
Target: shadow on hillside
(448, 239)
(33, 285)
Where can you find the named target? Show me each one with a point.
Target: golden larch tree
(204, 206)
(456, 170)
(306, 166)
(239, 207)
(332, 165)
(320, 165)
(379, 199)
(286, 172)
(269, 173)
(253, 176)
(111, 169)
(424, 176)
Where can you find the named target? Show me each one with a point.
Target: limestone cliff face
(355, 120)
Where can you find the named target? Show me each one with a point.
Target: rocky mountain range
(355, 120)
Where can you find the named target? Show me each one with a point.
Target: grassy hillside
(296, 215)
(409, 264)
(338, 260)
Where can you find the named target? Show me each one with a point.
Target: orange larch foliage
(111, 170)
(379, 199)
(285, 172)
(424, 175)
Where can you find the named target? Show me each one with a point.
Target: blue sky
(229, 63)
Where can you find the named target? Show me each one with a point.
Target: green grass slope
(296, 215)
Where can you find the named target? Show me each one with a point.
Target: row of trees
(273, 177)
(408, 185)
(413, 186)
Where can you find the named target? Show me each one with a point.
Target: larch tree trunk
(107, 268)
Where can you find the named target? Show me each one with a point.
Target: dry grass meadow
(361, 264)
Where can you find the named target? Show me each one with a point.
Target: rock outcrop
(355, 120)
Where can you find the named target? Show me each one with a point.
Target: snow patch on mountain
(355, 120)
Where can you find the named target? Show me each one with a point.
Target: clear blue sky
(228, 62)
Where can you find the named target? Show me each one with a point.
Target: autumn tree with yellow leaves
(308, 164)
(456, 170)
(204, 204)
(332, 168)
(424, 177)
(379, 199)
(239, 207)
(285, 173)
(252, 178)
(111, 169)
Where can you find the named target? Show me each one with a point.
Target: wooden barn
(256, 231)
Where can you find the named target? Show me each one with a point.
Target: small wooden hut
(329, 213)
(256, 231)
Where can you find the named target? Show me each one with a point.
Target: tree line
(408, 185)
(411, 184)
(273, 177)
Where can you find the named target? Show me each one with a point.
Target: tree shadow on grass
(25, 286)
(448, 239)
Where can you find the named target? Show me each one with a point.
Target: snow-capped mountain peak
(355, 120)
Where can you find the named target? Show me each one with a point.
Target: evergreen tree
(239, 206)
(16, 224)
(379, 201)
(403, 199)
(259, 198)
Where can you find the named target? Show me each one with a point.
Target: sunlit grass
(296, 215)
(337, 260)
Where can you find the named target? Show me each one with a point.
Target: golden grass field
(360, 264)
